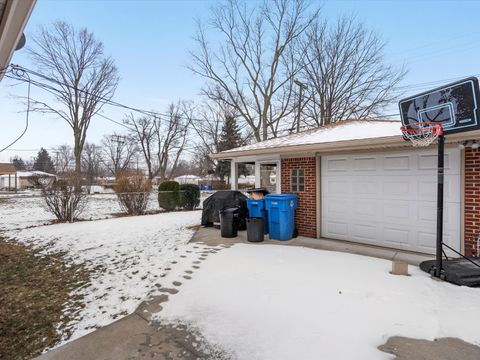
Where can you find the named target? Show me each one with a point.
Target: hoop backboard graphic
(454, 106)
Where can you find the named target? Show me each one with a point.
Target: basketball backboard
(455, 106)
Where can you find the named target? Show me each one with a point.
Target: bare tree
(83, 77)
(64, 159)
(144, 134)
(162, 139)
(172, 137)
(118, 152)
(92, 162)
(345, 73)
(208, 122)
(255, 64)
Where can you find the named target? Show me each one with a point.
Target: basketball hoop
(422, 134)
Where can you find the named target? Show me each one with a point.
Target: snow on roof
(343, 131)
(33, 173)
(188, 177)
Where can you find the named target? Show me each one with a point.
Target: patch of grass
(35, 289)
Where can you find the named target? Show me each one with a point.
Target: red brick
(472, 201)
(305, 219)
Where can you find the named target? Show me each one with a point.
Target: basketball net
(422, 134)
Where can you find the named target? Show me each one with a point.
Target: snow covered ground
(127, 255)
(19, 211)
(24, 211)
(281, 302)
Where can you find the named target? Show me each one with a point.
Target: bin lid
(262, 191)
(281, 196)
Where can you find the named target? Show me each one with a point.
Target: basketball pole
(440, 181)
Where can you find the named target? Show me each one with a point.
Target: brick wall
(472, 201)
(306, 213)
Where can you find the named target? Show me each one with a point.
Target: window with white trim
(297, 180)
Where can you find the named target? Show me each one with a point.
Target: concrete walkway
(137, 337)
(211, 236)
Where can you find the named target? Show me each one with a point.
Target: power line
(101, 98)
(26, 117)
(168, 116)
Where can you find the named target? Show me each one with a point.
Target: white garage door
(389, 199)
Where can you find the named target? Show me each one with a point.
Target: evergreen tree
(19, 163)
(43, 162)
(230, 138)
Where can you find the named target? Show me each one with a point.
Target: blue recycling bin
(256, 208)
(281, 215)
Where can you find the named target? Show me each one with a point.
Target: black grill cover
(222, 200)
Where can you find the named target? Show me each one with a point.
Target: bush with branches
(133, 192)
(169, 195)
(189, 196)
(64, 197)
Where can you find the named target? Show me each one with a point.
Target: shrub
(168, 195)
(133, 192)
(64, 197)
(189, 196)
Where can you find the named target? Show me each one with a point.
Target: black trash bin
(229, 222)
(255, 229)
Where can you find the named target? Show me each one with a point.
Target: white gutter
(13, 22)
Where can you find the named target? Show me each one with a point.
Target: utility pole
(300, 98)
(120, 141)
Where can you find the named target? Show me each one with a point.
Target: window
(298, 180)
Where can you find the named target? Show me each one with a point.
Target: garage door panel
(398, 211)
(339, 208)
(396, 188)
(337, 164)
(451, 189)
(362, 188)
(368, 164)
(395, 236)
(336, 229)
(365, 209)
(397, 162)
(430, 161)
(392, 205)
(365, 232)
(427, 239)
(336, 188)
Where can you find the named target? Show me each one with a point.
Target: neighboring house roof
(7, 168)
(188, 177)
(345, 135)
(14, 15)
(26, 174)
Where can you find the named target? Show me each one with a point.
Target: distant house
(25, 179)
(8, 176)
(188, 179)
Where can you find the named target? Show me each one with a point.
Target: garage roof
(345, 131)
(342, 136)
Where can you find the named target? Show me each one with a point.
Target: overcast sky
(150, 40)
